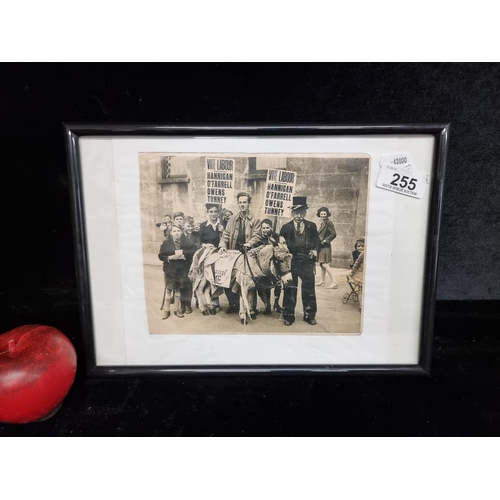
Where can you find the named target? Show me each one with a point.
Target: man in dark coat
(304, 244)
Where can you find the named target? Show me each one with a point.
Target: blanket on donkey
(215, 268)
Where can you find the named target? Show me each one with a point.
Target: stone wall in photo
(339, 183)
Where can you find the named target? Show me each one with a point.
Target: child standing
(176, 253)
(355, 275)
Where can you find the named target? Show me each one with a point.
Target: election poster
(279, 192)
(220, 180)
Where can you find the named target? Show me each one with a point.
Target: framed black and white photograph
(229, 249)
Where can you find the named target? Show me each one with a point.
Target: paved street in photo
(333, 317)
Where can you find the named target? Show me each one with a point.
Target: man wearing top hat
(304, 244)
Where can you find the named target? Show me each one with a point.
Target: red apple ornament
(37, 368)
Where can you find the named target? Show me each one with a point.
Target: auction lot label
(397, 174)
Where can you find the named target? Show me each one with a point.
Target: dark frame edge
(146, 129)
(73, 131)
(251, 370)
(79, 242)
(432, 251)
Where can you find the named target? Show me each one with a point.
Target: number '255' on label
(407, 181)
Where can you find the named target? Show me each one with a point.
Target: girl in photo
(359, 247)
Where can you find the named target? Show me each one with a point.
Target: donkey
(251, 272)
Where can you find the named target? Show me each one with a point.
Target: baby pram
(354, 293)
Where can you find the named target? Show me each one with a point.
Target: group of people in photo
(307, 242)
